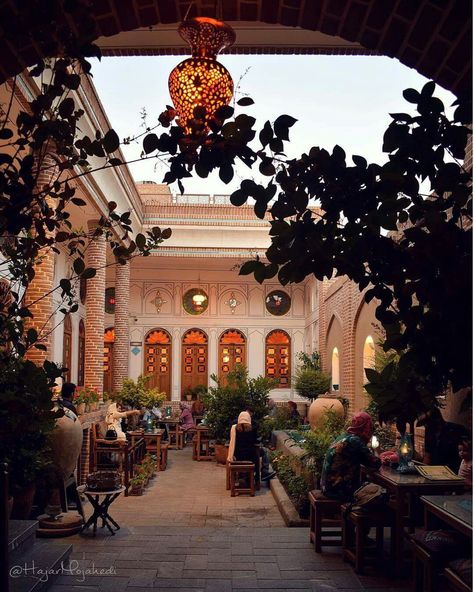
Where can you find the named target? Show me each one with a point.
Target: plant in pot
(311, 382)
(131, 394)
(137, 484)
(223, 404)
(27, 419)
(151, 400)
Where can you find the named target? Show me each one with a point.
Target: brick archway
(434, 37)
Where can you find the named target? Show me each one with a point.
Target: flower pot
(88, 407)
(81, 408)
(93, 406)
(319, 406)
(136, 490)
(221, 451)
(23, 502)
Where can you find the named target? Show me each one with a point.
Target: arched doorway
(67, 347)
(158, 360)
(335, 370)
(278, 357)
(232, 351)
(193, 360)
(109, 338)
(368, 360)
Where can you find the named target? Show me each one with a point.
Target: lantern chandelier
(201, 81)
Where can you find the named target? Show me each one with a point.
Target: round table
(101, 507)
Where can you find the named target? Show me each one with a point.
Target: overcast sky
(341, 100)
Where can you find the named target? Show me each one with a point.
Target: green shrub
(295, 485)
(310, 382)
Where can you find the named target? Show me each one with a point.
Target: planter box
(136, 491)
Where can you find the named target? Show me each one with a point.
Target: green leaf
(166, 233)
(411, 95)
(249, 267)
(226, 173)
(66, 107)
(238, 198)
(79, 266)
(150, 143)
(282, 124)
(65, 285)
(111, 141)
(140, 241)
(224, 112)
(5, 134)
(88, 273)
(266, 134)
(245, 101)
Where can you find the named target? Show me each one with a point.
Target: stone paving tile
(187, 535)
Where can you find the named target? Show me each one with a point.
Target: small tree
(309, 380)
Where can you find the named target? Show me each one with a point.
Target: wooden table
(405, 488)
(201, 433)
(453, 510)
(152, 442)
(172, 427)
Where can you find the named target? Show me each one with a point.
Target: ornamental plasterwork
(232, 303)
(158, 301)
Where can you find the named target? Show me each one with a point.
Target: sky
(343, 100)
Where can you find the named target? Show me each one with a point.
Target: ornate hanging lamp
(201, 81)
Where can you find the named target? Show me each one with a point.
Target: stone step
(21, 537)
(37, 569)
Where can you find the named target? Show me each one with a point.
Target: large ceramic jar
(319, 406)
(66, 443)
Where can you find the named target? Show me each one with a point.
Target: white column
(212, 365)
(176, 366)
(256, 352)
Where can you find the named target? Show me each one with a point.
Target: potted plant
(27, 419)
(136, 485)
(224, 403)
(131, 395)
(312, 383)
(188, 393)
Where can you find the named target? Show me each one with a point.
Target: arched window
(335, 369)
(67, 347)
(368, 357)
(193, 360)
(81, 353)
(232, 346)
(278, 357)
(157, 363)
(109, 339)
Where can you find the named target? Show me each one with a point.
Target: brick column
(41, 306)
(122, 337)
(94, 365)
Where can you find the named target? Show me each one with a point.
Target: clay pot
(221, 453)
(81, 408)
(23, 502)
(66, 444)
(319, 406)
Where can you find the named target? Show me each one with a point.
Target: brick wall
(122, 339)
(96, 258)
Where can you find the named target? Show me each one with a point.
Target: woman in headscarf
(243, 440)
(341, 469)
(186, 417)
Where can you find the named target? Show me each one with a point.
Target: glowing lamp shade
(201, 81)
(199, 299)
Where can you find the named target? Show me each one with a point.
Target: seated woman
(341, 469)
(186, 418)
(294, 414)
(114, 417)
(243, 440)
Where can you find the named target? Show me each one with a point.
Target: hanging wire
(187, 11)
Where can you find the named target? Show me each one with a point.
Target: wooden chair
(356, 524)
(176, 441)
(424, 568)
(241, 471)
(118, 454)
(454, 582)
(324, 513)
(164, 456)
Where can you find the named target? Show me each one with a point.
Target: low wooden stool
(355, 525)
(164, 456)
(454, 581)
(424, 568)
(195, 447)
(324, 512)
(238, 469)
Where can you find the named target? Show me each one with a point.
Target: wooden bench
(324, 513)
(454, 582)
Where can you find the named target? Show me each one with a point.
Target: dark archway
(434, 37)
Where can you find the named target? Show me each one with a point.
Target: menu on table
(437, 473)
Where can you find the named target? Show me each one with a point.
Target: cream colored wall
(364, 326)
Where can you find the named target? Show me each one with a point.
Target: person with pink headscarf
(341, 469)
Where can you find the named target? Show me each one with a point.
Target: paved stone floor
(186, 534)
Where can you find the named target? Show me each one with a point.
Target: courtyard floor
(186, 534)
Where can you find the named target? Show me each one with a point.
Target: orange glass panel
(109, 335)
(232, 336)
(278, 338)
(195, 337)
(158, 336)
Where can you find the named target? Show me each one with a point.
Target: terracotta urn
(81, 408)
(318, 407)
(66, 443)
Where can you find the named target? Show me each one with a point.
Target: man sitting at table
(341, 469)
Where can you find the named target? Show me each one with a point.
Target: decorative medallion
(278, 303)
(158, 301)
(110, 300)
(195, 301)
(232, 303)
(135, 350)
